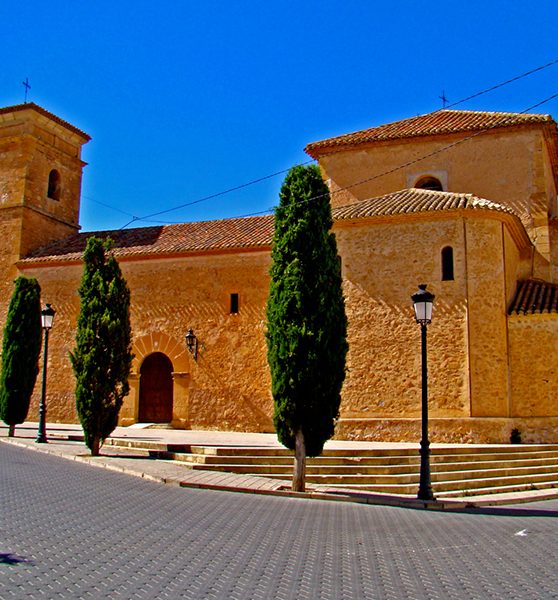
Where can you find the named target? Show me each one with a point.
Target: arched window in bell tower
(54, 185)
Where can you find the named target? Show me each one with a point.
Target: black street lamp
(47, 317)
(422, 302)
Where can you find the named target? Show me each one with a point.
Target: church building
(463, 201)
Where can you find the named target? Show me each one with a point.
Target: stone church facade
(463, 201)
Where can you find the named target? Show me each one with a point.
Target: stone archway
(181, 361)
(156, 389)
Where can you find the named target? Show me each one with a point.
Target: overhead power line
(150, 216)
(503, 83)
(398, 167)
(210, 197)
(411, 162)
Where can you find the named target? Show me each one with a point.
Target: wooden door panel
(155, 403)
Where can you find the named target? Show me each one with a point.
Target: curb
(107, 461)
(102, 462)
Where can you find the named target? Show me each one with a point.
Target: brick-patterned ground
(71, 531)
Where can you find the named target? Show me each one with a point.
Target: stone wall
(31, 145)
(228, 387)
(533, 351)
(487, 373)
(474, 430)
(382, 266)
(509, 166)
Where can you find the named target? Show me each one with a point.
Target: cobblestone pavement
(71, 531)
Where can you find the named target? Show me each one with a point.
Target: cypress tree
(306, 321)
(21, 347)
(102, 356)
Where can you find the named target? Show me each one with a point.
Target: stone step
(288, 460)
(378, 452)
(455, 470)
(448, 461)
(502, 489)
(375, 473)
(411, 489)
(438, 463)
(148, 445)
(532, 479)
(459, 487)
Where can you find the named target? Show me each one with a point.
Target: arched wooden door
(155, 397)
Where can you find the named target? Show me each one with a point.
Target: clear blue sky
(186, 99)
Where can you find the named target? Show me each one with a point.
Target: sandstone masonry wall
(533, 348)
(509, 166)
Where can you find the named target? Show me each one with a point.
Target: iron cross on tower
(443, 99)
(27, 87)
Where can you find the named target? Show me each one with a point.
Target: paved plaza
(68, 530)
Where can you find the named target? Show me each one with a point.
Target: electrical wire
(503, 83)
(149, 217)
(409, 163)
(210, 197)
(403, 165)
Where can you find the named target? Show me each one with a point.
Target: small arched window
(429, 183)
(447, 264)
(54, 185)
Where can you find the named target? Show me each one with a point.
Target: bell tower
(40, 182)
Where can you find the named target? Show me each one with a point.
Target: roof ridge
(489, 112)
(255, 231)
(45, 113)
(420, 200)
(219, 234)
(440, 122)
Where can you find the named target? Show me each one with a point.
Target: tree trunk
(95, 446)
(11, 430)
(299, 470)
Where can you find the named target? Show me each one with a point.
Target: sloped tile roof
(42, 111)
(436, 123)
(250, 232)
(200, 236)
(534, 297)
(415, 201)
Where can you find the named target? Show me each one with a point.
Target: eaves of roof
(45, 113)
(534, 297)
(255, 233)
(224, 235)
(428, 204)
(441, 122)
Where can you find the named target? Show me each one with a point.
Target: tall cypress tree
(21, 347)
(102, 356)
(306, 321)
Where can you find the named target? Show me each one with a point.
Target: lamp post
(422, 303)
(47, 317)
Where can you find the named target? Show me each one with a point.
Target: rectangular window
(447, 263)
(234, 304)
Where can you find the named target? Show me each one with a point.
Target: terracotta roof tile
(436, 123)
(535, 297)
(45, 113)
(415, 201)
(250, 232)
(167, 239)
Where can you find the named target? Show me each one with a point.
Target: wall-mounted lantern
(192, 343)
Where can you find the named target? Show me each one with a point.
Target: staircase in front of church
(456, 471)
